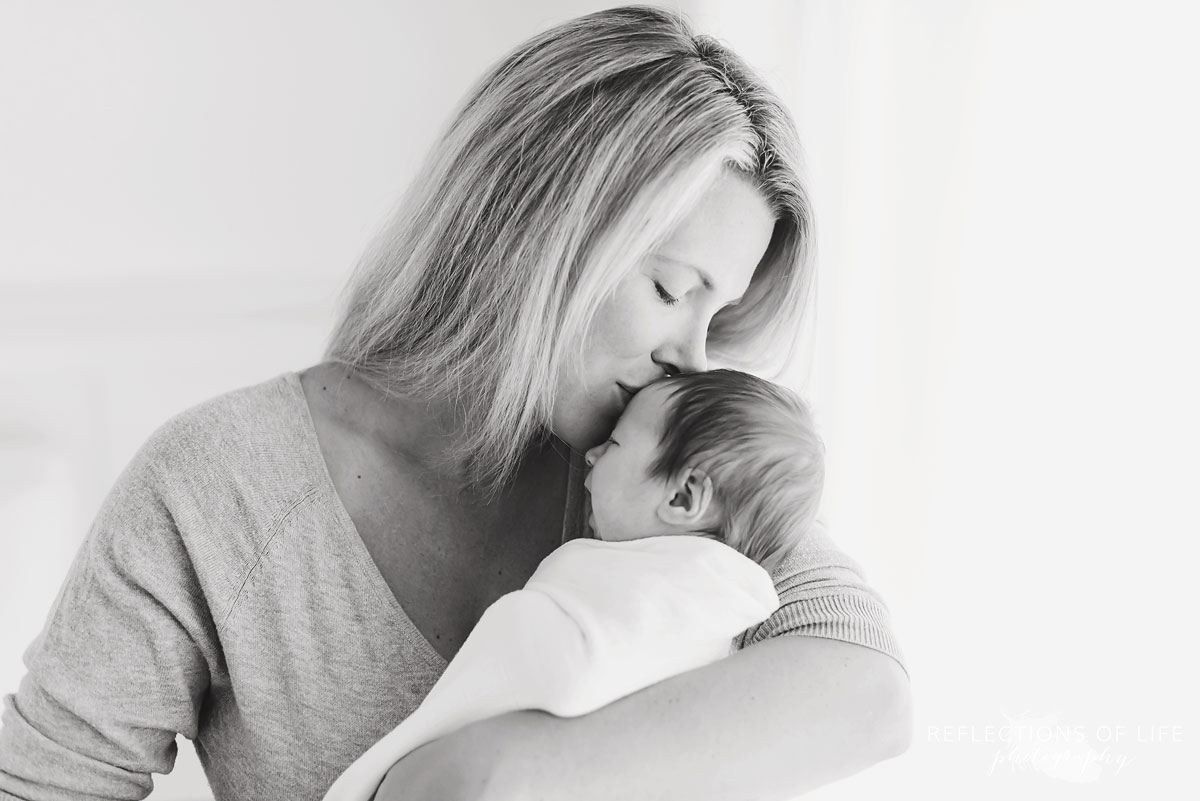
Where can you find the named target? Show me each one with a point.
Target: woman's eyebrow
(705, 278)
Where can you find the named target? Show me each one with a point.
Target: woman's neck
(427, 434)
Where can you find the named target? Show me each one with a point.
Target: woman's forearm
(772, 721)
(769, 722)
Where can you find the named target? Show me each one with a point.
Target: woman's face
(656, 321)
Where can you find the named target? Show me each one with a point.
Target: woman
(282, 573)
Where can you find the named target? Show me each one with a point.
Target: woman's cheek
(636, 321)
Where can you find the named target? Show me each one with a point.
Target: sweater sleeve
(823, 593)
(122, 663)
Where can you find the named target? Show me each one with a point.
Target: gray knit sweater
(224, 594)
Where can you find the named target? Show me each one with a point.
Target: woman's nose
(688, 353)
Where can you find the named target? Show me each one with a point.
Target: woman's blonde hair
(567, 163)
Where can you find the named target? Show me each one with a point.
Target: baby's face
(625, 502)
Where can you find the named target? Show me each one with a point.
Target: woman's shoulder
(256, 432)
(211, 484)
(238, 419)
(248, 452)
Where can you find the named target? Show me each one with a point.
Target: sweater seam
(276, 528)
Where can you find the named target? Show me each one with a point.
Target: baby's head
(721, 454)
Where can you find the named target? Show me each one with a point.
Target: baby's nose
(592, 455)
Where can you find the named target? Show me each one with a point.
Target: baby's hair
(757, 442)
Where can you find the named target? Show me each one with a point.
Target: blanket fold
(596, 621)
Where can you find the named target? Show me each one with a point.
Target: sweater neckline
(573, 523)
(351, 540)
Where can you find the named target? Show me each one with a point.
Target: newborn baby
(722, 454)
(707, 481)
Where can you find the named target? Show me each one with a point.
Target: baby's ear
(689, 499)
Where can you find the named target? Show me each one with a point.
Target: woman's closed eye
(665, 296)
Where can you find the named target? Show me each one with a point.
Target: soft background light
(1002, 359)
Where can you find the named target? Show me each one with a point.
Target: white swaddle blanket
(596, 621)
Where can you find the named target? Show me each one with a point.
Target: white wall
(1005, 370)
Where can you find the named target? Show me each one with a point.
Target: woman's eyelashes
(665, 296)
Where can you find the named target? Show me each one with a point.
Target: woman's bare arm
(771, 721)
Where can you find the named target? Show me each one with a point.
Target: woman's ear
(689, 499)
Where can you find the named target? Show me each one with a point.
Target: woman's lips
(626, 392)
